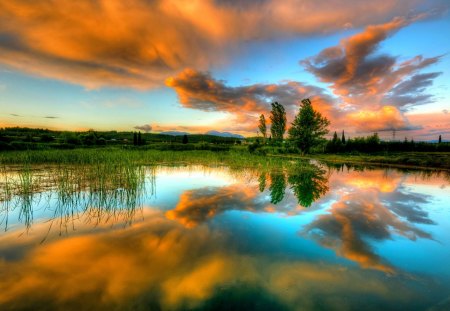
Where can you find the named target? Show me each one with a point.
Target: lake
(214, 238)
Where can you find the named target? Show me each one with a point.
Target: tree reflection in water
(309, 184)
(277, 187)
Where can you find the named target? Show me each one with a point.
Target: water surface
(213, 238)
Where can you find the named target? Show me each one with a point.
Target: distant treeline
(18, 138)
(372, 143)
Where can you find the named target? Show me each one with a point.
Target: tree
(185, 139)
(308, 127)
(135, 139)
(343, 137)
(278, 120)
(262, 126)
(440, 139)
(335, 137)
(139, 139)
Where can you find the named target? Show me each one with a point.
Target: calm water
(201, 238)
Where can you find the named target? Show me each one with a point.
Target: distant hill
(224, 134)
(174, 133)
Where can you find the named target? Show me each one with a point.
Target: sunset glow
(217, 65)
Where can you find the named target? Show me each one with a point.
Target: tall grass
(233, 158)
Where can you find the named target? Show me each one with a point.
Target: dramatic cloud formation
(372, 90)
(139, 43)
(376, 85)
(360, 215)
(160, 263)
(199, 90)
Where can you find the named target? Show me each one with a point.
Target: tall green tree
(139, 139)
(335, 137)
(278, 120)
(308, 128)
(185, 139)
(262, 126)
(343, 137)
(440, 139)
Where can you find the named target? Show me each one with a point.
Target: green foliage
(262, 126)
(308, 184)
(185, 139)
(135, 139)
(308, 127)
(278, 120)
(27, 138)
(277, 187)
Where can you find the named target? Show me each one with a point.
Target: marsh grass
(105, 157)
(104, 191)
(109, 186)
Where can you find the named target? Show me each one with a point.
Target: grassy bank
(435, 160)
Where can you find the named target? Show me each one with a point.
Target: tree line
(308, 132)
(19, 138)
(373, 143)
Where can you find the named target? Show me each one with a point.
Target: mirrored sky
(377, 235)
(217, 65)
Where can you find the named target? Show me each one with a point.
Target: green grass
(434, 160)
(113, 156)
(109, 184)
(235, 158)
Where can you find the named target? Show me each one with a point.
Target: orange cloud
(199, 90)
(382, 181)
(386, 118)
(159, 263)
(99, 43)
(377, 85)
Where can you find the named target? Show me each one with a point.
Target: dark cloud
(363, 78)
(15, 115)
(376, 85)
(146, 127)
(199, 90)
(409, 92)
(50, 117)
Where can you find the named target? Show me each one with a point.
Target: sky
(200, 65)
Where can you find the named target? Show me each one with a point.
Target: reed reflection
(103, 193)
